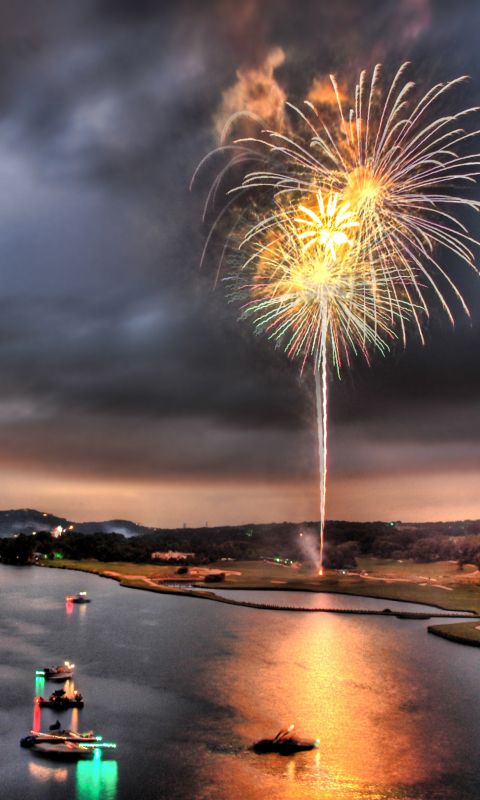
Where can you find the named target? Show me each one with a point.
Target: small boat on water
(59, 737)
(285, 743)
(60, 700)
(81, 597)
(68, 751)
(59, 673)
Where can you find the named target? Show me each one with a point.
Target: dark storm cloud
(130, 447)
(152, 355)
(116, 353)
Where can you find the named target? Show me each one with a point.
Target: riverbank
(441, 584)
(204, 680)
(461, 633)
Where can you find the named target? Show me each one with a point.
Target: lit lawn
(121, 568)
(438, 571)
(406, 581)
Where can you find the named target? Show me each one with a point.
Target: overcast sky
(128, 388)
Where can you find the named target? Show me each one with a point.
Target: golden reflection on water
(339, 679)
(74, 720)
(44, 774)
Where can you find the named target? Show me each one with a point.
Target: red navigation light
(69, 598)
(38, 699)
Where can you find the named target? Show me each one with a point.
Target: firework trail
(337, 225)
(314, 297)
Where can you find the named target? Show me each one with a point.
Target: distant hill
(27, 520)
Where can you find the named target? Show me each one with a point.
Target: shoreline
(328, 586)
(464, 633)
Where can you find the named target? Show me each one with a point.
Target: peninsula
(444, 585)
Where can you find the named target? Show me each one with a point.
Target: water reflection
(44, 774)
(37, 711)
(97, 779)
(74, 720)
(68, 608)
(37, 714)
(396, 709)
(349, 684)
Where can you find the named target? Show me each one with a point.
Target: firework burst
(314, 297)
(327, 226)
(338, 225)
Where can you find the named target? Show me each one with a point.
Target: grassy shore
(462, 632)
(439, 584)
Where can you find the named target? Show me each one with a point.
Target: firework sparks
(338, 226)
(314, 298)
(298, 293)
(327, 227)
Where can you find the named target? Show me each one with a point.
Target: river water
(184, 686)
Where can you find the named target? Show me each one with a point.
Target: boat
(59, 737)
(59, 673)
(68, 751)
(81, 597)
(60, 700)
(285, 743)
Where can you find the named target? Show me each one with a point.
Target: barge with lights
(59, 737)
(285, 743)
(59, 700)
(81, 597)
(59, 673)
(68, 751)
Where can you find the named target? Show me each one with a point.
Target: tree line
(344, 542)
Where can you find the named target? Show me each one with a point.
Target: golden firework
(376, 191)
(327, 226)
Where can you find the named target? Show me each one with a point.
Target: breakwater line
(359, 611)
(386, 612)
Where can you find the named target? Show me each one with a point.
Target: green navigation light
(98, 744)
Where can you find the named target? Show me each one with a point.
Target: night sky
(128, 389)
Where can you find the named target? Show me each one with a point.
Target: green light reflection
(96, 779)
(39, 686)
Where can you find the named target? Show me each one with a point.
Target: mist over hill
(28, 520)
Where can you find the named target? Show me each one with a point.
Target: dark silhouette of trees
(345, 541)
